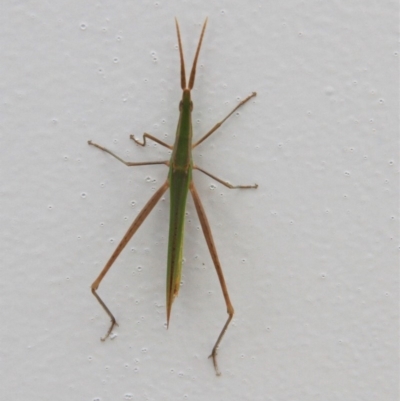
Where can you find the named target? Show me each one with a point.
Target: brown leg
(216, 126)
(129, 164)
(230, 186)
(129, 234)
(213, 251)
(153, 138)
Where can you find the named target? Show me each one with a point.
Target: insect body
(180, 182)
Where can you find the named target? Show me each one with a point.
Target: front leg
(153, 138)
(218, 124)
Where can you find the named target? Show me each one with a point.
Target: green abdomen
(179, 186)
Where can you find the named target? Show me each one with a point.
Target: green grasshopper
(180, 182)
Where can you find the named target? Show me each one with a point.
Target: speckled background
(310, 257)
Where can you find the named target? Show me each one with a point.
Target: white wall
(310, 257)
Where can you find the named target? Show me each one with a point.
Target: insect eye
(180, 105)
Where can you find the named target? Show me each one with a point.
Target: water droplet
(329, 90)
(391, 162)
(347, 173)
(128, 396)
(144, 350)
(83, 26)
(116, 60)
(139, 268)
(50, 207)
(111, 240)
(83, 195)
(213, 186)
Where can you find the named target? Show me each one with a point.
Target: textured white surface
(310, 257)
